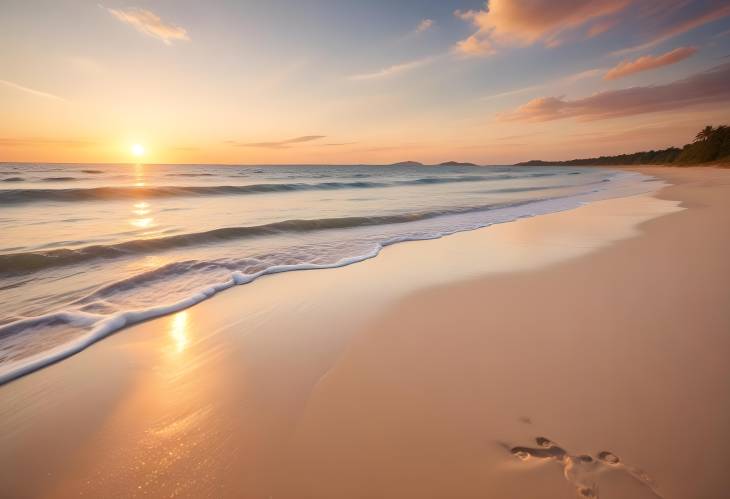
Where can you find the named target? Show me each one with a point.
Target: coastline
(378, 380)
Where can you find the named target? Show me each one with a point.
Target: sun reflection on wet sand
(179, 330)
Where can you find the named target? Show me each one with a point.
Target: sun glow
(178, 330)
(137, 150)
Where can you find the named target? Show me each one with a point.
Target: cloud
(524, 22)
(648, 62)
(582, 75)
(281, 144)
(31, 91)
(149, 23)
(565, 80)
(713, 13)
(474, 47)
(424, 25)
(510, 93)
(552, 22)
(41, 142)
(702, 88)
(601, 26)
(394, 70)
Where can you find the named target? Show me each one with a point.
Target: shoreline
(328, 396)
(95, 328)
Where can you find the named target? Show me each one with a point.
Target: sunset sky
(352, 81)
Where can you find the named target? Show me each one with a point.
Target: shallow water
(88, 249)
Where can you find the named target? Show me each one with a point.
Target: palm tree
(704, 134)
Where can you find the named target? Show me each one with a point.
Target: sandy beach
(575, 354)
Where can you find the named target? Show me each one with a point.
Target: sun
(137, 150)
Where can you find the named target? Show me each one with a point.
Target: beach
(576, 353)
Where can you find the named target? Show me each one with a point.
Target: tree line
(711, 144)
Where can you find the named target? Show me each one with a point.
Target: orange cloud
(702, 88)
(474, 47)
(529, 21)
(648, 62)
(149, 23)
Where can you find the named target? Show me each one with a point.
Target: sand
(582, 352)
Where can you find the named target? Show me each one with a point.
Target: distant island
(455, 163)
(711, 145)
(408, 163)
(445, 163)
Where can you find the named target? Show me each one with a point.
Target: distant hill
(455, 163)
(710, 145)
(408, 163)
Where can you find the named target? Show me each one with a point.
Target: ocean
(86, 249)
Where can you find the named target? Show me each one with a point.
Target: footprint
(547, 450)
(613, 460)
(608, 457)
(580, 470)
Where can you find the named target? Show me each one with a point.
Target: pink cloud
(149, 23)
(554, 22)
(602, 26)
(648, 62)
(529, 21)
(702, 88)
(474, 47)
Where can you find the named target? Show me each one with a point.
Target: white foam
(620, 185)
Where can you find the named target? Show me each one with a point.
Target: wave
(91, 319)
(14, 179)
(59, 179)
(92, 171)
(190, 174)
(20, 263)
(20, 196)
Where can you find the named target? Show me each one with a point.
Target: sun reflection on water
(141, 209)
(179, 330)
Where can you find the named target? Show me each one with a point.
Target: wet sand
(582, 352)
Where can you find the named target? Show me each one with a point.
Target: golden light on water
(179, 330)
(142, 223)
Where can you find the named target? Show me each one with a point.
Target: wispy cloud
(510, 93)
(424, 25)
(565, 80)
(149, 23)
(279, 144)
(31, 91)
(602, 26)
(43, 142)
(713, 13)
(702, 88)
(395, 69)
(649, 62)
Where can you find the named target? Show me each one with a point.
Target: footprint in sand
(581, 470)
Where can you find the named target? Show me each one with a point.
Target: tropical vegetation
(711, 145)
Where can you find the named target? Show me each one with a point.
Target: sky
(358, 82)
